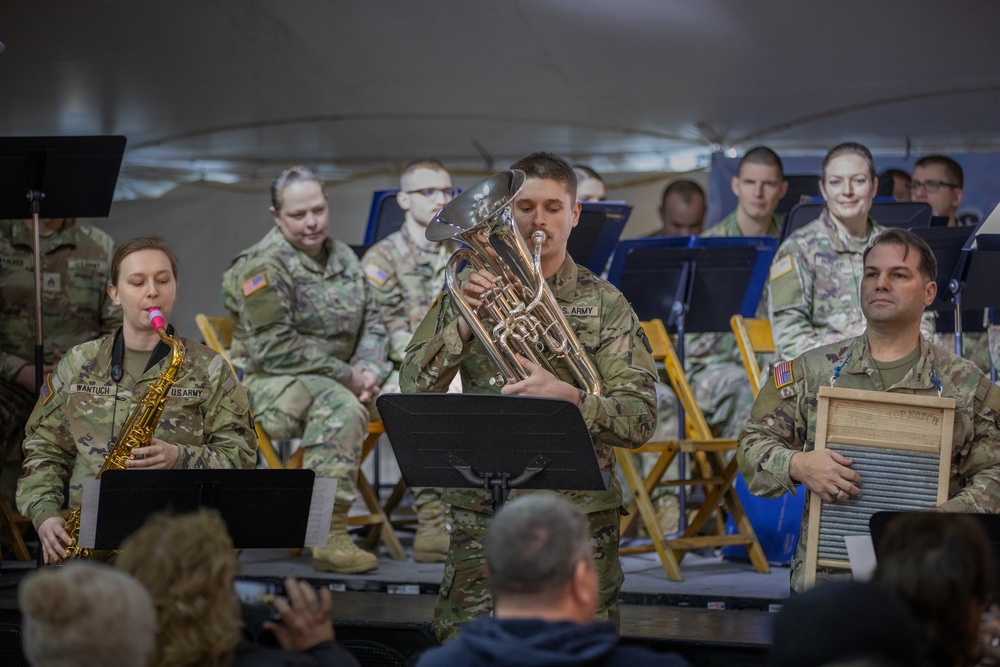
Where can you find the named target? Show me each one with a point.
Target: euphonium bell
(519, 314)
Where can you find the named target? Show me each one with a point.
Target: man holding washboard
(777, 447)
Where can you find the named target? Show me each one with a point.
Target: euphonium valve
(519, 315)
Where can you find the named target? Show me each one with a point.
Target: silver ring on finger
(836, 494)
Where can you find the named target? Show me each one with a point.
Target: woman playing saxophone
(84, 404)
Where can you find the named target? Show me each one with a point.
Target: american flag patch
(376, 274)
(46, 392)
(783, 374)
(258, 282)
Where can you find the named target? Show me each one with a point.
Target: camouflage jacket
(815, 286)
(406, 272)
(69, 432)
(704, 350)
(293, 315)
(76, 271)
(624, 415)
(784, 421)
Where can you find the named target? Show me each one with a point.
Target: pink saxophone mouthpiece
(156, 319)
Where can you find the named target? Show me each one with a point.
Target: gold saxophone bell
(519, 315)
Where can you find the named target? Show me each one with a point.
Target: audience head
(300, 210)
(759, 183)
(938, 180)
(539, 559)
(187, 562)
(942, 565)
(136, 265)
(900, 183)
(682, 208)
(424, 188)
(848, 182)
(590, 185)
(86, 614)
(845, 623)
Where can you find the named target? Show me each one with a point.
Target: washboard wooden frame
(896, 441)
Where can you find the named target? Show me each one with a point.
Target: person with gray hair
(540, 566)
(69, 611)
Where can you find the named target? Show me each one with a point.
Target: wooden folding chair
(753, 337)
(711, 471)
(218, 334)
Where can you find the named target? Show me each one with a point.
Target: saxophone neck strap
(159, 353)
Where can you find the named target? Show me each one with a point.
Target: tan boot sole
(323, 566)
(429, 557)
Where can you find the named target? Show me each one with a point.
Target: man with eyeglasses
(406, 272)
(937, 180)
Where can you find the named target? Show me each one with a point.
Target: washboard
(900, 444)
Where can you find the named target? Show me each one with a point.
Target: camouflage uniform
(784, 421)
(406, 272)
(76, 270)
(713, 362)
(298, 328)
(815, 287)
(81, 408)
(623, 416)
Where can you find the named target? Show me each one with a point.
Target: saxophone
(137, 431)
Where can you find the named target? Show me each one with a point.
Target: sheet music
(861, 553)
(320, 511)
(88, 513)
(991, 225)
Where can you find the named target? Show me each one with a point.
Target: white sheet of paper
(861, 553)
(320, 511)
(88, 513)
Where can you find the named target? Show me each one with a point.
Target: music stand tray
(495, 443)
(262, 508)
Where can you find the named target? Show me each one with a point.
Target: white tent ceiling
(231, 90)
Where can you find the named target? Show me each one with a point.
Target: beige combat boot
(340, 554)
(430, 543)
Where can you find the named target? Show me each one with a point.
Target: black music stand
(973, 284)
(58, 177)
(947, 244)
(596, 234)
(495, 443)
(905, 214)
(262, 508)
(695, 285)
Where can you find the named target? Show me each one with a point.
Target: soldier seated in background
(776, 449)
(589, 184)
(406, 272)
(714, 366)
(310, 343)
(75, 273)
(682, 209)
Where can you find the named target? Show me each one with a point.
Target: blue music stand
(596, 234)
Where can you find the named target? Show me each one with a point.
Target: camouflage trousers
(465, 594)
(15, 407)
(329, 419)
(723, 393)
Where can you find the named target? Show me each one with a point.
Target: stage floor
(709, 581)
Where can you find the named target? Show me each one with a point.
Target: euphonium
(519, 314)
(137, 431)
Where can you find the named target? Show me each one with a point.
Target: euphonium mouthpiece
(538, 237)
(156, 319)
